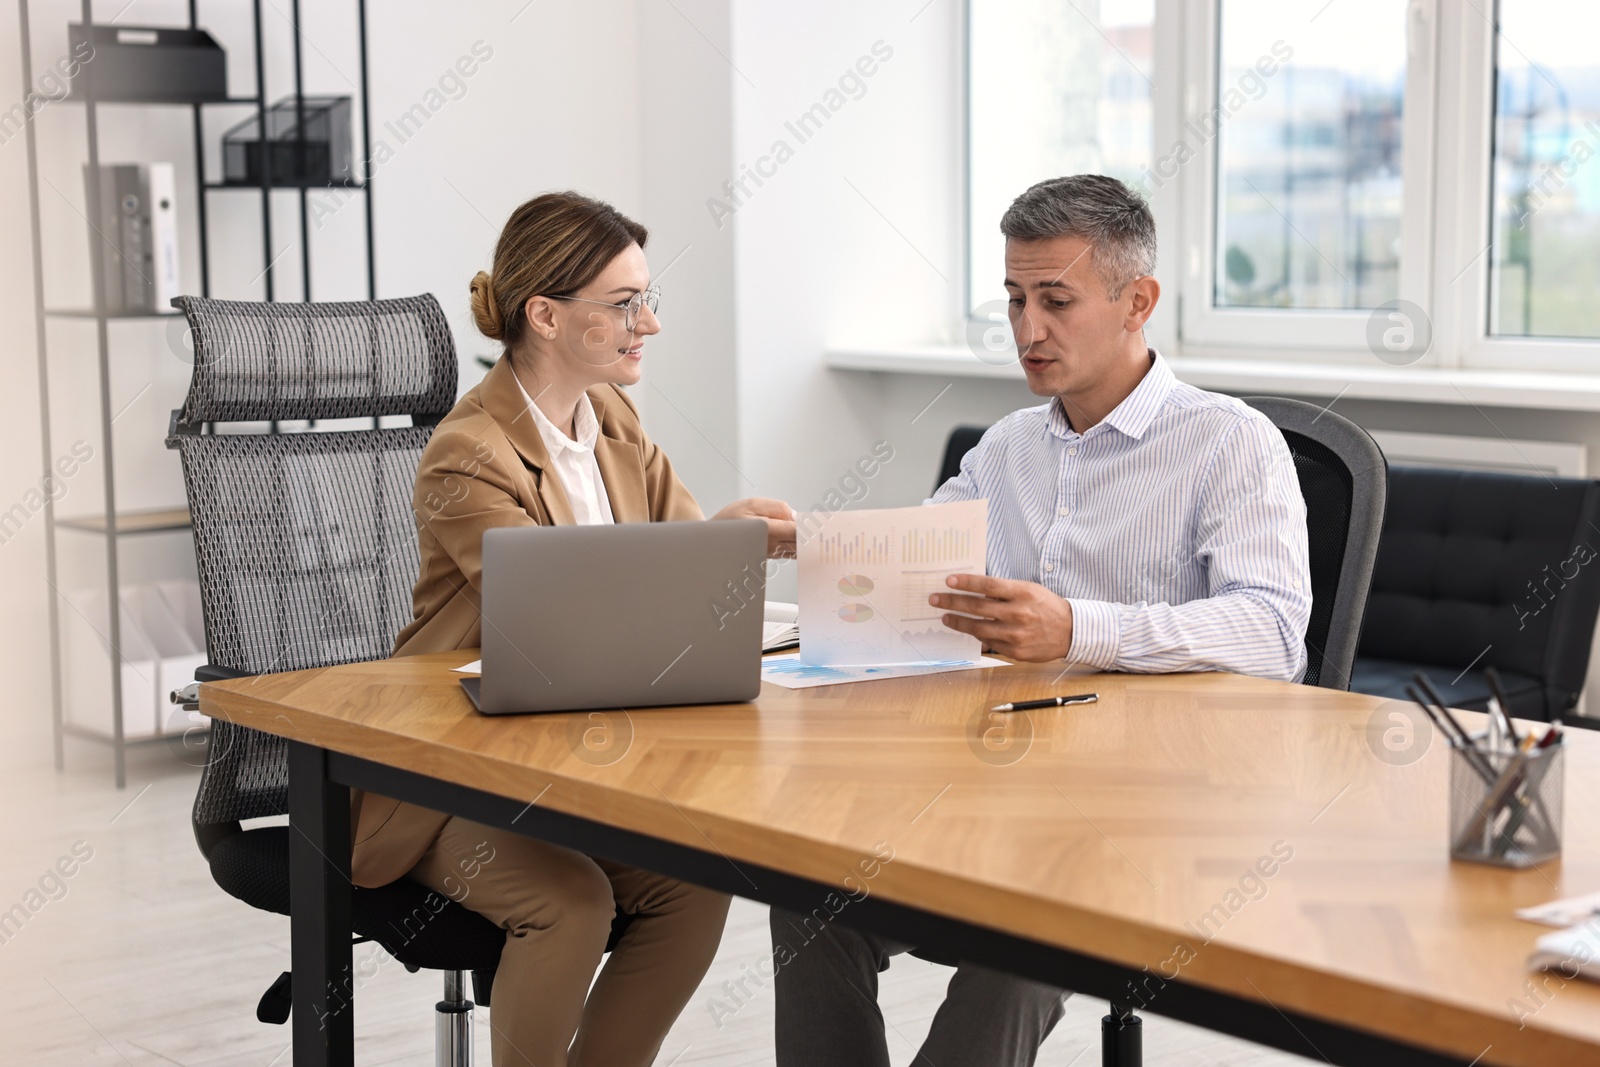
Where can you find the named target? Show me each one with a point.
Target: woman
(548, 437)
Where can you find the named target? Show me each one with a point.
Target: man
(1135, 524)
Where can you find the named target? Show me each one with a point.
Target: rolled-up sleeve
(1250, 536)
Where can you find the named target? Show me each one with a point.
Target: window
(1068, 94)
(1546, 248)
(1309, 160)
(1411, 181)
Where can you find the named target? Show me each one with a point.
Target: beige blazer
(485, 467)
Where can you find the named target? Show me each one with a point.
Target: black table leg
(1121, 1038)
(319, 899)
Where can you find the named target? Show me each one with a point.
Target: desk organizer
(1505, 804)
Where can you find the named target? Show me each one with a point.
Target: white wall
(23, 648)
(689, 393)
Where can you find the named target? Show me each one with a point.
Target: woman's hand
(779, 518)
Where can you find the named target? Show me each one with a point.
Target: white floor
(138, 958)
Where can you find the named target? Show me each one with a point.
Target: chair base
(1121, 1038)
(452, 1017)
(276, 1003)
(452, 1026)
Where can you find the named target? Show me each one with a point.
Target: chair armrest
(189, 696)
(211, 672)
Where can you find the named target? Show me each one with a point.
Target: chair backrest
(961, 441)
(1484, 569)
(1344, 480)
(305, 542)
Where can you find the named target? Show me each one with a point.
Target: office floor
(138, 959)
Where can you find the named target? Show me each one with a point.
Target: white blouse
(574, 463)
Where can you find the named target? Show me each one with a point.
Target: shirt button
(1072, 451)
(1063, 512)
(1048, 567)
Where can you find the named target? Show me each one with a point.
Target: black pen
(1048, 702)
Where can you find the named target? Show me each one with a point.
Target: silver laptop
(625, 616)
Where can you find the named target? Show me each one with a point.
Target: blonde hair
(553, 245)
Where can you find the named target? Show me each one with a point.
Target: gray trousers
(827, 1004)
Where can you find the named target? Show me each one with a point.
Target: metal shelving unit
(110, 524)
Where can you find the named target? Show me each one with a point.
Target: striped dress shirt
(1175, 528)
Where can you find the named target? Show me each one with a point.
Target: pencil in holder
(1505, 804)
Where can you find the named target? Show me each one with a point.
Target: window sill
(1421, 385)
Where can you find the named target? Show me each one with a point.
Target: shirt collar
(1138, 409)
(584, 422)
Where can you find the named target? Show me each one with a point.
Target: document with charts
(865, 578)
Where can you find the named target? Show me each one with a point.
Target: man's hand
(779, 518)
(1023, 620)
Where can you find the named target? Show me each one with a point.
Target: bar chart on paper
(866, 576)
(861, 548)
(938, 545)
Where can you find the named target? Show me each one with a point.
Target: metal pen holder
(1505, 804)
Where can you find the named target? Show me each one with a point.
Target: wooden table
(1120, 849)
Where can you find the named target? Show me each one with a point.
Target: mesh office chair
(307, 556)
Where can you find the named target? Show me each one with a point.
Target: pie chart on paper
(855, 585)
(855, 613)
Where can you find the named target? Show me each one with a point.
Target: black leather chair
(1344, 479)
(963, 439)
(1478, 570)
(307, 554)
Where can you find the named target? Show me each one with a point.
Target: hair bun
(484, 310)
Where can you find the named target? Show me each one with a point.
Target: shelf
(172, 98)
(256, 187)
(158, 520)
(90, 313)
(232, 101)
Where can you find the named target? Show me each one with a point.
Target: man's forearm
(1239, 632)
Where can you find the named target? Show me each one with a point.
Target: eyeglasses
(630, 308)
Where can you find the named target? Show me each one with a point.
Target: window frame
(1286, 333)
(1469, 134)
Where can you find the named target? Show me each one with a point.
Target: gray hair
(1102, 211)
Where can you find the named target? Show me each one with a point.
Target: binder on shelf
(148, 64)
(162, 197)
(137, 235)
